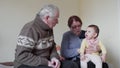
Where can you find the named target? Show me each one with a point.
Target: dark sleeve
(82, 35)
(54, 52)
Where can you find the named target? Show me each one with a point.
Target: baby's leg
(96, 60)
(84, 62)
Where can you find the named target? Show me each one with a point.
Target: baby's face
(90, 33)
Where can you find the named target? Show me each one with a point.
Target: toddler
(92, 48)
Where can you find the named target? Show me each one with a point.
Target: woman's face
(76, 27)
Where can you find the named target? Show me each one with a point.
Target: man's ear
(47, 17)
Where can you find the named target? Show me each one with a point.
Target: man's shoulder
(67, 33)
(28, 25)
(27, 29)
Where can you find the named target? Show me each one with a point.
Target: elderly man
(35, 45)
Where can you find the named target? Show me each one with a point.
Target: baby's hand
(103, 57)
(82, 57)
(78, 50)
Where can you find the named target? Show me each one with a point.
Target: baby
(91, 47)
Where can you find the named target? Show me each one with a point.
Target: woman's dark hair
(96, 28)
(73, 18)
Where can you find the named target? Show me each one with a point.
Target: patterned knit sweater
(35, 44)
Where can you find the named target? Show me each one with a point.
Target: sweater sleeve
(25, 48)
(24, 56)
(54, 52)
(103, 49)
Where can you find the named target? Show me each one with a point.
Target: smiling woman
(72, 39)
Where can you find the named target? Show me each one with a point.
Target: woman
(72, 39)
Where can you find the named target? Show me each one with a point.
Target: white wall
(15, 13)
(106, 14)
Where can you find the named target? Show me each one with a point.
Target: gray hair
(48, 10)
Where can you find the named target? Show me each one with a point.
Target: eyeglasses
(74, 27)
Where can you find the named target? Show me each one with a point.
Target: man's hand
(50, 64)
(55, 62)
(62, 58)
